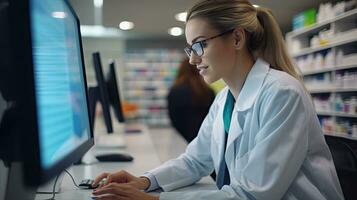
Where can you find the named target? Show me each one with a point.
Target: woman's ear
(239, 38)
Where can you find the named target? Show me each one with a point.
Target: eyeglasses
(197, 47)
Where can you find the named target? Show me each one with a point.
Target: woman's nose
(194, 59)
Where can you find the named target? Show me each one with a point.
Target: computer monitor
(107, 86)
(114, 94)
(115, 101)
(100, 93)
(48, 114)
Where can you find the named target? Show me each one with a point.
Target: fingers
(109, 179)
(107, 197)
(115, 189)
(110, 197)
(118, 177)
(99, 178)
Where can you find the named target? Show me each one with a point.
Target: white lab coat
(275, 148)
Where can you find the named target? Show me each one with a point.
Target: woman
(189, 101)
(261, 135)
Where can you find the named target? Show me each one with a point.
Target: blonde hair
(264, 37)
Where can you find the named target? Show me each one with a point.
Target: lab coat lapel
(234, 132)
(218, 127)
(245, 101)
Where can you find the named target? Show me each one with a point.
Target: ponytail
(272, 48)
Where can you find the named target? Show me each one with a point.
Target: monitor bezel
(34, 174)
(117, 104)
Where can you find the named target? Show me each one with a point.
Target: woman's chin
(209, 80)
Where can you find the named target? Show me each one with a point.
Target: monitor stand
(13, 184)
(113, 140)
(106, 143)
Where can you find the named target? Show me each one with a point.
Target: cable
(54, 189)
(74, 182)
(54, 186)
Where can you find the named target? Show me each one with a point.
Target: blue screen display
(59, 83)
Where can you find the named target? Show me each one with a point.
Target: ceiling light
(255, 5)
(175, 31)
(181, 16)
(98, 3)
(59, 15)
(126, 25)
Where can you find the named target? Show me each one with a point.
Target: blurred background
(146, 40)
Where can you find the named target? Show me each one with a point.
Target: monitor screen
(60, 89)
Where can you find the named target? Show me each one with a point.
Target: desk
(141, 147)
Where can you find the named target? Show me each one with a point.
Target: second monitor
(107, 94)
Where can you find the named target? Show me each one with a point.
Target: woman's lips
(202, 70)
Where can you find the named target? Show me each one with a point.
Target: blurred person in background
(189, 101)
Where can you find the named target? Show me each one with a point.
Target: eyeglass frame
(188, 50)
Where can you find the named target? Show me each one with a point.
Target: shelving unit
(147, 77)
(331, 90)
(336, 114)
(329, 69)
(343, 135)
(330, 45)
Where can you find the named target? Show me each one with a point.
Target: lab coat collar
(252, 85)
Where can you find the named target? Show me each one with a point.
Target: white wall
(109, 48)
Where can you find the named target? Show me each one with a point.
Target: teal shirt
(223, 177)
(227, 112)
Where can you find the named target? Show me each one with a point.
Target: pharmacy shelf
(152, 66)
(310, 50)
(317, 71)
(326, 85)
(331, 90)
(148, 76)
(147, 103)
(342, 135)
(132, 85)
(144, 82)
(147, 96)
(151, 72)
(322, 25)
(327, 69)
(143, 60)
(336, 114)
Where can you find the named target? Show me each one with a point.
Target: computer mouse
(114, 157)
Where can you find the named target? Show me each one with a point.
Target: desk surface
(146, 157)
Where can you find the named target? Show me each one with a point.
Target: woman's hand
(116, 191)
(140, 183)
